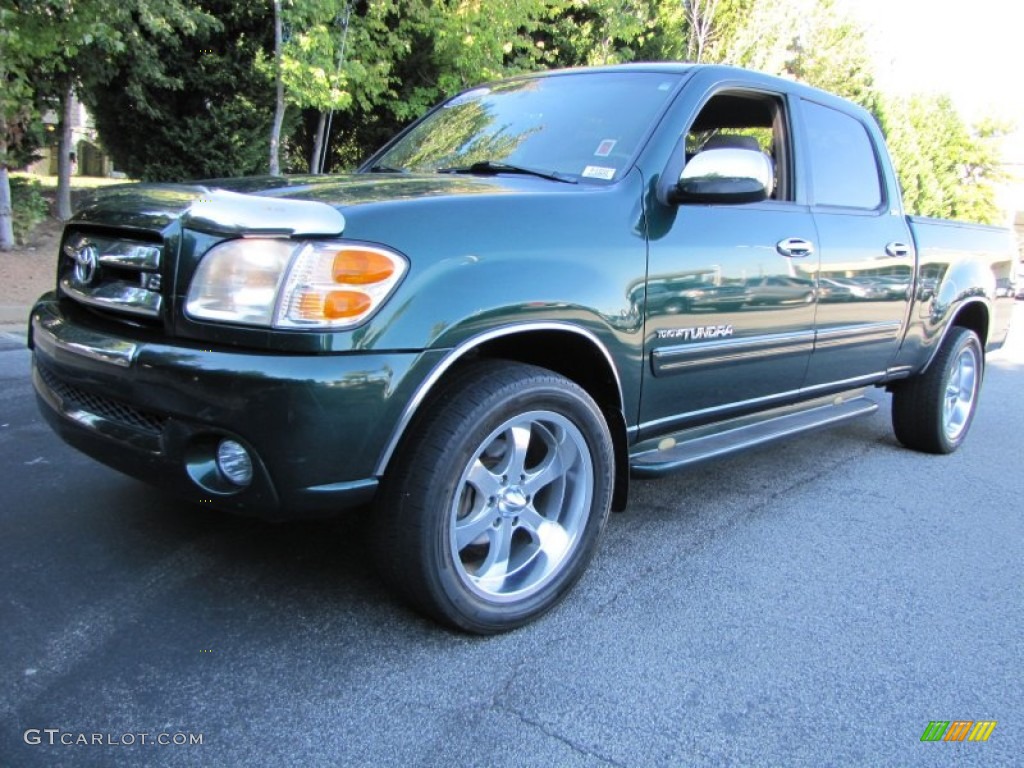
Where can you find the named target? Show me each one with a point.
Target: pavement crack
(575, 747)
(500, 703)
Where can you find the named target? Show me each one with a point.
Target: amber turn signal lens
(333, 305)
(361, 267)
(341, 304)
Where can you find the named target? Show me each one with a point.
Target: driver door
(729, 316)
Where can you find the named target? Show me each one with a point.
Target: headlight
(293, 284)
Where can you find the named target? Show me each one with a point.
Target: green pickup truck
(543, 287)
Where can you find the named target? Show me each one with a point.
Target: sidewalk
(26, 273)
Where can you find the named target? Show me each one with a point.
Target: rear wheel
(494, 507)
(934, 411)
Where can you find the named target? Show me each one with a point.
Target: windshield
(585, 125)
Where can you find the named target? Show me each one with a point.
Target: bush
(30, 207)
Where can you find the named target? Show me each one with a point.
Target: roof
(737, 75)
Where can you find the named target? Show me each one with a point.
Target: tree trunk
(275, 133)
(701, 17)
(6, 213)
(64, 150)
(318, 145)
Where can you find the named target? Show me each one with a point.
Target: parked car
(674, 298)
(780, 290)
(831, 289)
(890, 287)
(863, 289)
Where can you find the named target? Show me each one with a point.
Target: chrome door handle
(795, 248)
(897, 250)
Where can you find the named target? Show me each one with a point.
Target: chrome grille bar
(116, 295)
(99, 267)
(122, 254)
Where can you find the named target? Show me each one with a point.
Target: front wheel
(933, 412)
(495, 504)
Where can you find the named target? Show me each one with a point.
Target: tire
(494, 506)
(933, 412)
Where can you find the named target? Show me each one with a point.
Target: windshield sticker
(468, 96)
(605, 148)
(598, 172)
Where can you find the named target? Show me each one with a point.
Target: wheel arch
(974, 316)
(566, 349)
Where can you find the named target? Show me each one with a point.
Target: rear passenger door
(864, 243)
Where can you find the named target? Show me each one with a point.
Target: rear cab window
(842, 158)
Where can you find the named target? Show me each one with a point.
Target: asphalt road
(814, 603)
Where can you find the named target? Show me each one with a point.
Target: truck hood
(275, 205)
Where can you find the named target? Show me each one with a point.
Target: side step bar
(676, 452)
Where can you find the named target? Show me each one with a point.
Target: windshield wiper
(490, 168)
(385, 169)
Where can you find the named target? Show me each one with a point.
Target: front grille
(119, 275)
(105, 407)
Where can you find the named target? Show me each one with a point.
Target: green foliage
(25, 42)
(945, 170)
(30, 208)
(184, 88)
(336, 53)
(810, 41)
(403, 57)
(598, 32)
(204, 112)
(831, 53)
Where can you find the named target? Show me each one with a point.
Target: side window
(747, 120)
(844, 168)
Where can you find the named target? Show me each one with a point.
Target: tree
(185, 106)
(402, 57)
(700, 19)
(335, 54)
(47, 48)
(830, 52)
(598, 32)
(26, 41)
(480, 40)
(81, 29)
(945, 170)
(811, 41)
(275, 131)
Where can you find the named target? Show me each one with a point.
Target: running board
(676, 452)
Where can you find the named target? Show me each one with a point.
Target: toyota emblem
(87, 260)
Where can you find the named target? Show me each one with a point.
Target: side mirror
(726, 175)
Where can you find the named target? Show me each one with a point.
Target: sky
(972, 50)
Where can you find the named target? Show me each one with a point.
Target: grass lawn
(77, 182)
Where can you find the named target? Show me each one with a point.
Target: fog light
(234, 462)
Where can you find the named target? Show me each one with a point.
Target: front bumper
(314, 425)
